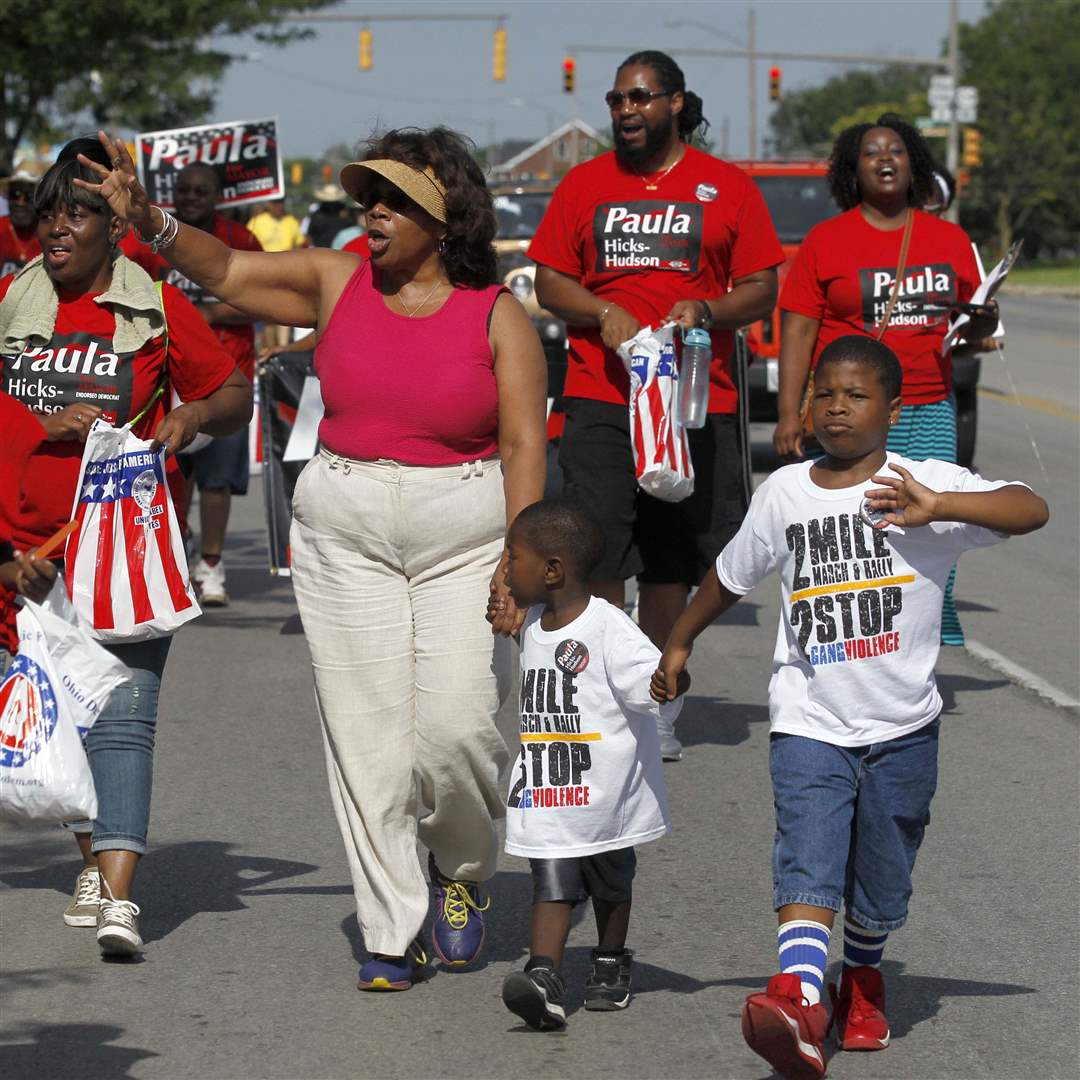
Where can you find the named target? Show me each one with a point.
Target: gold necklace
(431, 292)
(656, 183)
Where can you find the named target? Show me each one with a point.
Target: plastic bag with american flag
(125, 566)
(661, 450)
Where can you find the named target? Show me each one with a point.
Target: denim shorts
(607, 876)
(849, 822)
(223, 464)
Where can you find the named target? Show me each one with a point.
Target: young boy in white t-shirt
(863, 541)
(588, 783)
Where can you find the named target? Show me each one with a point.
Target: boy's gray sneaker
(608, 985)
(85, 900)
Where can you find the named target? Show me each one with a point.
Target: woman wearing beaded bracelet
(432, 441)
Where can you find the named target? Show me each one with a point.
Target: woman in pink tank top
(433, 440)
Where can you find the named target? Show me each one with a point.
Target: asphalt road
(252, 946)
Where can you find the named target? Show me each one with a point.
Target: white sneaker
(117, 926)
(209, 582)
(83, 909)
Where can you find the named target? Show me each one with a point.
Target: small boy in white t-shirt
(588, 783)
(863, 542)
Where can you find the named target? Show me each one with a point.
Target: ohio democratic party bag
(125, 565)
(55, 690)
(661, 450)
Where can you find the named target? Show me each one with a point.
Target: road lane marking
(1021, 676)
(1025, 401)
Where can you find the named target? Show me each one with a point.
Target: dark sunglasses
(393, 198)
(636, 95)
(20, 195)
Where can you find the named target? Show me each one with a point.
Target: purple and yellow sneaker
(393, 972)
(458, 930)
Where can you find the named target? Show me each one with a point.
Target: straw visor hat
(422, 186)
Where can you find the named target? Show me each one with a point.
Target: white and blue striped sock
(862, 947)
(804, 951)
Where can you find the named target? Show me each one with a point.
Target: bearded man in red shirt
(654, 231)
(221, 469)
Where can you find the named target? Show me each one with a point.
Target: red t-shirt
(79, 365)
(704, 226)
(17, 247)
(842, 276)
(238, 338)
(359, 245)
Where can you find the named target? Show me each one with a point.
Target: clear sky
(440, 72)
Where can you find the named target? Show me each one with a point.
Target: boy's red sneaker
(859, 1010)
(789, 1034)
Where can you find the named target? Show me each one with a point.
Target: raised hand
(904, 501)
(119, 186)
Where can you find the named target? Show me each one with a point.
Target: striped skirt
(929, 431)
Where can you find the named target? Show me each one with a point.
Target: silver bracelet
(170, 227)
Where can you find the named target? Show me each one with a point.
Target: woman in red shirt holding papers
(82, 335)
(842, 279)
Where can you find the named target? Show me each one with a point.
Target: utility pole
(751, 49)
(952, 145)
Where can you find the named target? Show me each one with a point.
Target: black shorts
(608, 875)
(661, 543)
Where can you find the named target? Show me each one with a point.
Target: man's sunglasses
(636, 95)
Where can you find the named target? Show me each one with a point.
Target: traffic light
(774, 84)
(569, 74)
(296, 172)
(972, 154)
(498, 55)
(365, 50)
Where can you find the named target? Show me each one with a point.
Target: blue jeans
(849, 822)
(120, 748)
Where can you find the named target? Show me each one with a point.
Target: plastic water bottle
(694, 378)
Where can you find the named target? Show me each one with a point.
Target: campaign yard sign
(245, 154)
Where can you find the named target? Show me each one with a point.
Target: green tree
(1023, 58)
(123, 62)
(807, 121)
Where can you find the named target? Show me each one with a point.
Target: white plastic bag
(56, 687)
(125, 566)
(661, 450)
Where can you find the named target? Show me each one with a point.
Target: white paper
(986, 290)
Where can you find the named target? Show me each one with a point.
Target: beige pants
(391, 565)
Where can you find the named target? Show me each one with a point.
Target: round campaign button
(870, 516)
(706, 192)
(572, 656)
